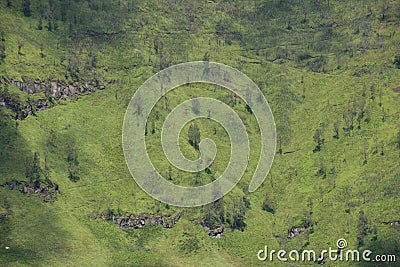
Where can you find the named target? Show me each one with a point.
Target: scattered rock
(295, 231)
(392, 223)
(47, 191)
(213, 232)
(132, 221)
(217, 232)
(53, 90)
(321, 261)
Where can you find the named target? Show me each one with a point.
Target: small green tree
(269, 204)
(52, 140)
(2, 50)
(362, 227)
(194, 135)
(40, 23)
(73, 162)
(169, 173)
(318, 139)
(20, 46)
(398, 139)
(33, 171)
(336, 129)
(322, 168)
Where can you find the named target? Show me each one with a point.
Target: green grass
(63, 234)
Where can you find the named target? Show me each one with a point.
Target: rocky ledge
(47, 191)
(392, 223)
(297, 230)
(132, 221)
(53, 91)
(215, 231)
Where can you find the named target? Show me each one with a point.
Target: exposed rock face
(213, 232)
(53, 90)
(132, 221)
(3, 216)
(47, 191)
(217, 232)
(56, 89)
(392, 223)
(295, 231)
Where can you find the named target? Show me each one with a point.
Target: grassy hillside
(327, 68)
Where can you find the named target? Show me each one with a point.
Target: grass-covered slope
(328, 70)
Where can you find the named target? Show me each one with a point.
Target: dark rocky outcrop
(132, 221)
(3, 216)
(47, 191)
(216, 232)
(297, 230)
(392, 223)
(53, 91)
(212, 232)
(56, 89)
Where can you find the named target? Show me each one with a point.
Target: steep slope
(328, 70)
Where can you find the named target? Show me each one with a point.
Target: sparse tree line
(35, 173)
(354, 115)
(219, 214)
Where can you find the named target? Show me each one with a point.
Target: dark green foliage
(27, 8)
(20, 46)
(52, 140)
(189, 243)
(2, 50)
(33, 172)
(396, 61)
(194, 135)
(235, 216)
(206, 57)
(318, 139)
(40, 24)
(362, 227)
(318, 64)
(169, 173)
(322, 168)
(277, 44)
(214, 214)
(269, 204)
(398, 139)
(336, 129)
(248, 109)
(73, 163)
(303, 56)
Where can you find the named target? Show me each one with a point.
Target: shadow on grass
(31, 234)
(29, 230)
(385, 247)
(13, 149)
